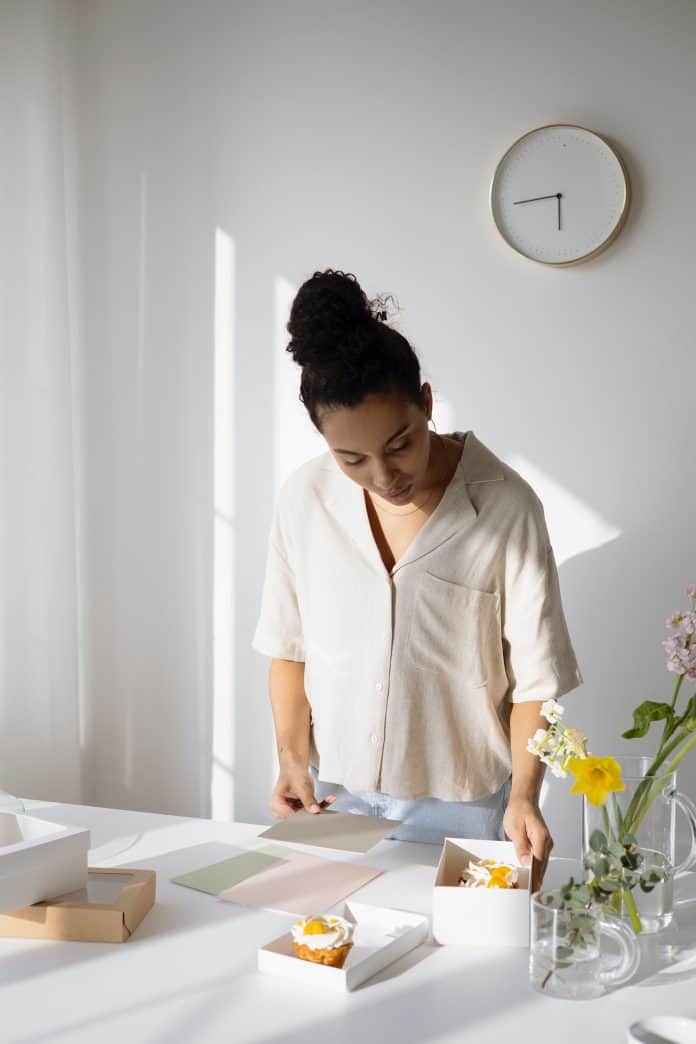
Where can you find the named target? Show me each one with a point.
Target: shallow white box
(482, 916)
(381, 936)
(39, 860)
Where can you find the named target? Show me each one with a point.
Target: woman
(411, 604)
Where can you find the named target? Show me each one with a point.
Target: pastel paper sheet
(215, 878)
(340, 830)
(301, 885)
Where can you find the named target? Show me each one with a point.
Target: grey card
(346, 831)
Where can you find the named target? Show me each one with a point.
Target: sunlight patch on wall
(574, 527)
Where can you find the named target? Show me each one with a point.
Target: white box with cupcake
(481, 894)
(340, 951)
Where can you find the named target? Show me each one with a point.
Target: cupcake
(488, 873)
(324, 940)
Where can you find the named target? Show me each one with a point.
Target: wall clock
(560, 194)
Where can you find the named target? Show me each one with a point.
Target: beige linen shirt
(410, 674)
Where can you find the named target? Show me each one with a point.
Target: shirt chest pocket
(452, 630)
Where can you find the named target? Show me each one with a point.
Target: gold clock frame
(617, 227)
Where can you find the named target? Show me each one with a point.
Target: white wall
(364, 136)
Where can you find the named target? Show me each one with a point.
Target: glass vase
(569, 953)
(646, 809)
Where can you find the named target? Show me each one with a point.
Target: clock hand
(558, 197)
(554, 195)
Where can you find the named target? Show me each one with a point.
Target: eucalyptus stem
(624, 894)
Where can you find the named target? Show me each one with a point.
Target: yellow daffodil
(595, 777)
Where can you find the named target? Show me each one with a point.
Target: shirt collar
(455, 512)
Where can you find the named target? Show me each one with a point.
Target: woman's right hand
(295, 790)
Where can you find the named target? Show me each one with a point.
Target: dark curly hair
(344, 347)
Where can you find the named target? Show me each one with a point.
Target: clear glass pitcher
(646, 809)
(574, 956)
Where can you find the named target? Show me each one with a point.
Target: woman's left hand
(525, 826)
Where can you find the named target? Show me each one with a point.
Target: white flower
(575, 743)
(552, 711)
(558, 771)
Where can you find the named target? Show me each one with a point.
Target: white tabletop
(188, 974)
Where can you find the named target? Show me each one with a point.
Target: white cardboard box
(381, 937)
(39, 860)
(482, 916)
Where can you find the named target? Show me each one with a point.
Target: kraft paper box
(480, 916)
(108, 909)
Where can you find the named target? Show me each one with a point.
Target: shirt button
(379, 686)
(373, 738)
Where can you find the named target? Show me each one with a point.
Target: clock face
(560, 194)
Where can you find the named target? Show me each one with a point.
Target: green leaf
(563, 952)
(601, 866)
(644, 715)
(688, 718)
(598, 841)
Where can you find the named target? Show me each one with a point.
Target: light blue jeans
(426, 819)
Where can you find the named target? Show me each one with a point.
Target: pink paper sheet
(304, 884)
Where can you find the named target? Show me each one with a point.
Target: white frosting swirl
(339, 932)
(480, 874)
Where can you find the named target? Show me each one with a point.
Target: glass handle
(10, 803)
(689, 809)
(628, 964)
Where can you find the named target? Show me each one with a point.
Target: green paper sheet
(217, 877)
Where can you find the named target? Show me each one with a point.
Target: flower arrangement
(614, 862)
(679, 729)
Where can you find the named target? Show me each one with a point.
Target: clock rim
(622, 216)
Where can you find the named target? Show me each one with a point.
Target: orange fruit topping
(315, 927)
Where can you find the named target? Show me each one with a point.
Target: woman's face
(383, 444)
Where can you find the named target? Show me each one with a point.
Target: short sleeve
(539, 658)
(279, 628)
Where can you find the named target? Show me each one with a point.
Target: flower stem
(675, 761)
(677, 687)
(630, 904)
(647, 798)
(635, 813)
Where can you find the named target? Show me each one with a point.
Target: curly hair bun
(329, 317)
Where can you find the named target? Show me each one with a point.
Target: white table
(189, 974)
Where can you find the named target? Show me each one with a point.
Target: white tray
(39, 860)
(381, 937)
